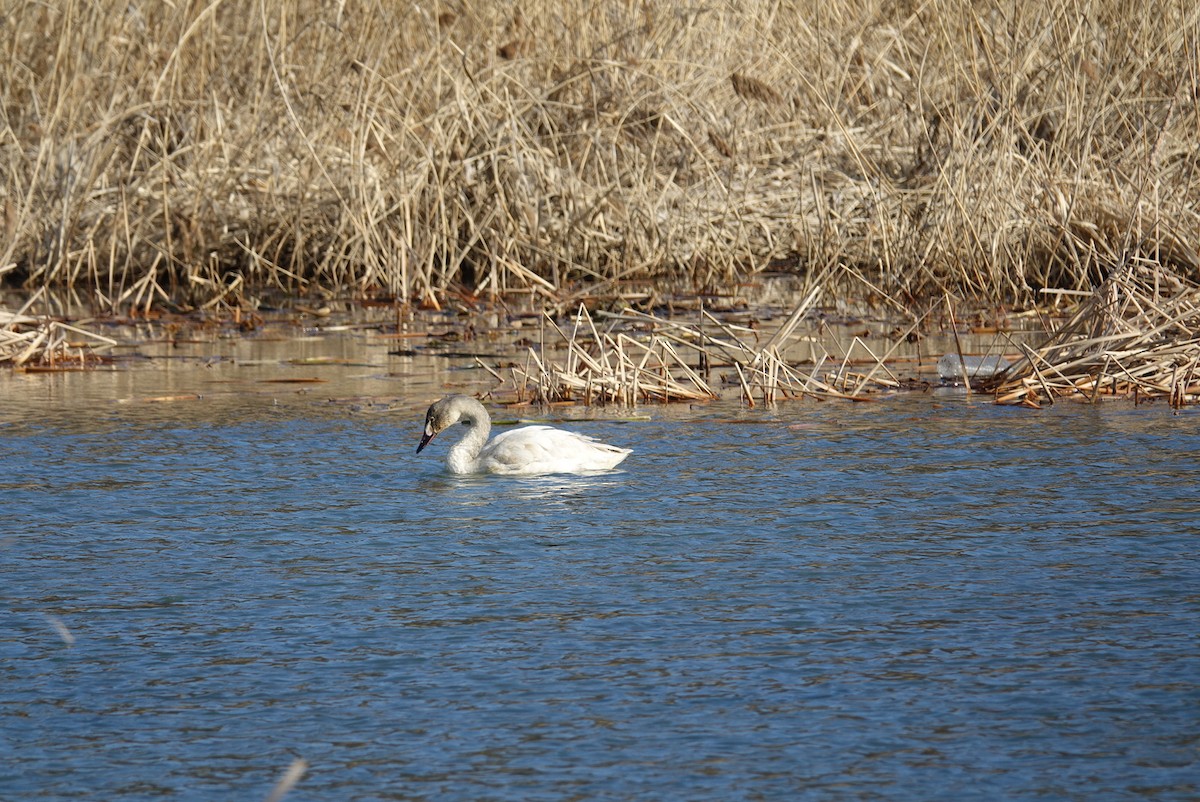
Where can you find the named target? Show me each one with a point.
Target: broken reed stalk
(288, 780)
(962, 363)
(881, 362)
(45, 342)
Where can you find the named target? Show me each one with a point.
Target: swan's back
(544, 449)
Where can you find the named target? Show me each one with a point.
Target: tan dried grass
(645, 362)
(602, 367)
(44, 342)
(204, 150)
(1137, 336)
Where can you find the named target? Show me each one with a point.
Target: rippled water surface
(913, 599)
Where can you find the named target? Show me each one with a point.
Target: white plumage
(528, 450)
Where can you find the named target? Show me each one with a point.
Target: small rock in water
(950, 367)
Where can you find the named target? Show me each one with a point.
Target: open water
(915, 599)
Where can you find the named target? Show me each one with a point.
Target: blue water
(908, 600)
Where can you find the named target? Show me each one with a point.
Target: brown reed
(206, 152)
(609, 366)
(44, 342)
(602, 367)
(1137, 336)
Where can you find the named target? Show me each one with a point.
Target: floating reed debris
(1136, 336)
(38, 343)
(288, 780)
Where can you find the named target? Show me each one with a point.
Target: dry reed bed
(198, 151)
(608, 366)
(1137, 336)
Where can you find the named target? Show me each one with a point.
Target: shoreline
(690, 347)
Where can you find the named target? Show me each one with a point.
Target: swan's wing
(544, 449)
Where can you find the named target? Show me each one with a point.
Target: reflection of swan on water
(528, 450)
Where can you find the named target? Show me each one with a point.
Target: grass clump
(1136, 336)
(649, 362)
(194, 151)
(44, 343)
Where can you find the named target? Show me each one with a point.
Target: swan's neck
(463, 454)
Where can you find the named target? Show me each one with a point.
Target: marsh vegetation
(197, 156)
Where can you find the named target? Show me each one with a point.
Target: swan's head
(445, 413)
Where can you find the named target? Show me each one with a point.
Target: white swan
(528, 450)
